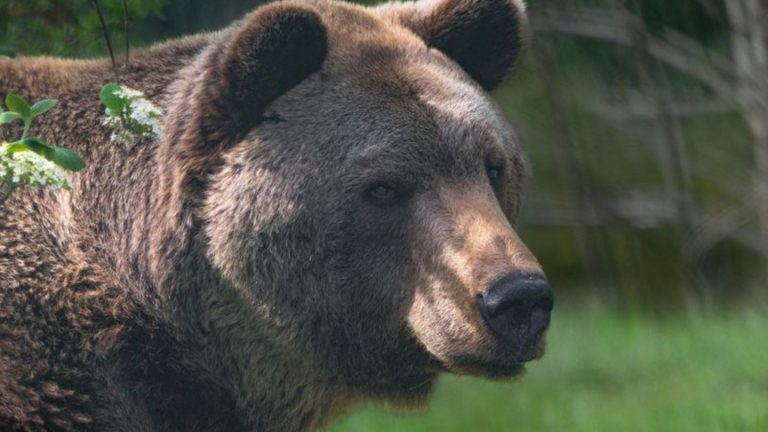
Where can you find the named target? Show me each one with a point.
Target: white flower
(129, 93)
(29, 168)
(139, 119)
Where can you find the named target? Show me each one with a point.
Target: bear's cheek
(442, 328)
(246, 209)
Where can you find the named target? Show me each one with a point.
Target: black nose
(517, 306)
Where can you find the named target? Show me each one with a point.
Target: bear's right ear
(485, 37)
(273, 50)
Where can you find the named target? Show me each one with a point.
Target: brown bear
(327, 220)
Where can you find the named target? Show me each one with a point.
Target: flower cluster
(28, 168)
(138, 118)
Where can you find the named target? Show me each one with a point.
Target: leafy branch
(31, 160)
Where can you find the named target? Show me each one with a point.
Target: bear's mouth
(501, 364)
(488, 369)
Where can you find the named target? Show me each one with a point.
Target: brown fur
(237, 275)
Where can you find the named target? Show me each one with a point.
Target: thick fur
(236, 274)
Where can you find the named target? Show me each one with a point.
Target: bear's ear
(228, 88)
(273, 50)
(485, 37)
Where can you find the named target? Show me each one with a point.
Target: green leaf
(16, 147)
(9, 117)
(36, 145)
(43, 106)
(67, 159)
(16, 103)
(110, 99)
(62, 157)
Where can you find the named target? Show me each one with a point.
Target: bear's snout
(516, 308)
(484, 304)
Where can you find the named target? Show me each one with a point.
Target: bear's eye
(494, 174)
(382, 193)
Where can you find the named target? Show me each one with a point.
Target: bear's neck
(258, 372)
(277, 386)
(266, 383)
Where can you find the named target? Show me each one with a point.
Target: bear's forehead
(431, 92)
(430, 116)
(451, 96)
(417, 101)
(377, 53)
(388, 93)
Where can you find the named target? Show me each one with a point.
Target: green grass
(608, 371)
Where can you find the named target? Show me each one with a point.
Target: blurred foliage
(572, 103)
(604, 206)
(69, 28)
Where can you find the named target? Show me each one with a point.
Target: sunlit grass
(612, 371)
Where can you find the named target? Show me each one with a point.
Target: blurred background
(646, 122)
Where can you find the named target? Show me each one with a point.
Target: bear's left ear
(485, 37)
(249, 66)
(272, 50)
(278, 47)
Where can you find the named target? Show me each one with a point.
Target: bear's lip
(493, 368)
(485, 368)
(497, 363)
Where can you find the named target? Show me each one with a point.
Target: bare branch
(125, 32)
(639, 108)
(100, 13)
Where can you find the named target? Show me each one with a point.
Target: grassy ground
(606, 371)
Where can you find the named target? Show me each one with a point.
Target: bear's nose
(517, 307)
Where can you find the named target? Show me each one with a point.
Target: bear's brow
(393, 157)
(464, 155)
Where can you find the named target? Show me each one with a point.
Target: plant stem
(125, 31)
(106, 37)
(24, 133)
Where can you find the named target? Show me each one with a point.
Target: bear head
(357, 188)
